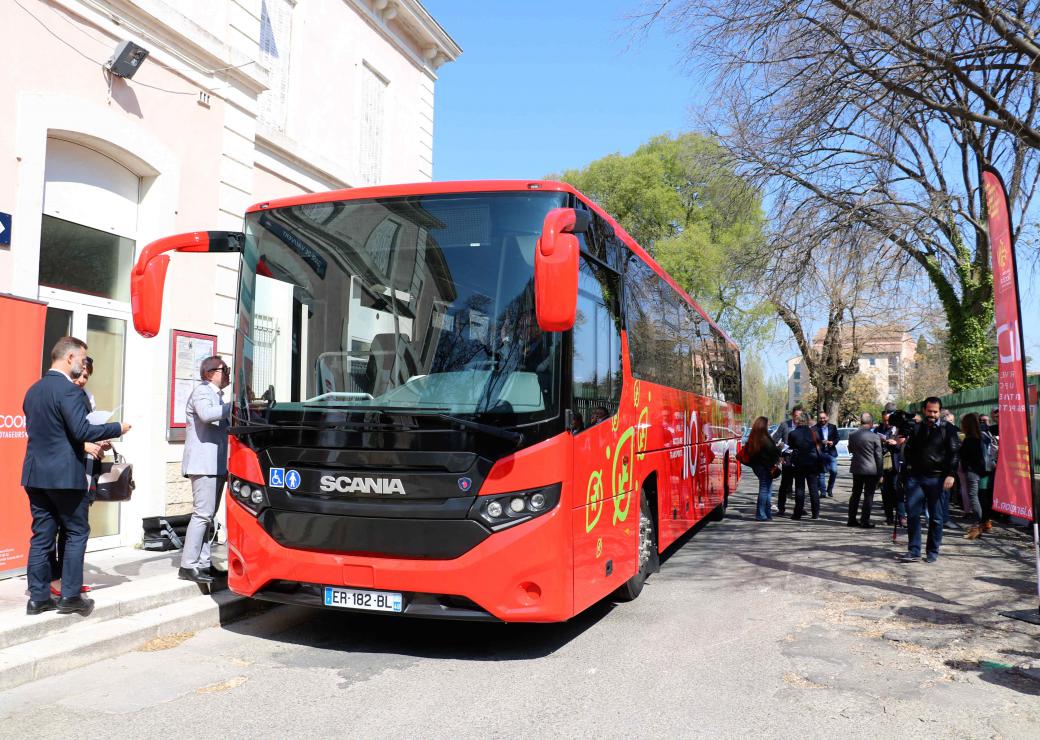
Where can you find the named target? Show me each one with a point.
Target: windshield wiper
(430, 412)
(255, 428)
(508, 434)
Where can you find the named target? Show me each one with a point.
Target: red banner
(1013, 484)
(21, 333)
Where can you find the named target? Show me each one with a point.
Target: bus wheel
(720, 511)
(649, 560)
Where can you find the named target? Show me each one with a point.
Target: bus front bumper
(521, 574)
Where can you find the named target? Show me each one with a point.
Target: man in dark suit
(780, 437)
(828, 436)
(54, 476)
(867, 465)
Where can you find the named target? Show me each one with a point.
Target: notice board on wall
(187, 351)
(21, 331)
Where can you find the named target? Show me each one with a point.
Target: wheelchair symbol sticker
(276, 477)
(292, 480)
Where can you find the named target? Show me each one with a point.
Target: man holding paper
(54, 477)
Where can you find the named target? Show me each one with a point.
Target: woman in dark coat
(973, 465)
(761, 454)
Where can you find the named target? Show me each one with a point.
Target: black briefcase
(165, 532)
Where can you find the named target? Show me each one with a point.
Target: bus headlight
(251, 496)
(504, 510)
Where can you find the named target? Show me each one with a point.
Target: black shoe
(908, 558)
(75, 605)
(816, 516)
(890, 522)
(931, 558)
(194, 574)
(32, 608)
(796, 518)
(851, 524)
(868, 525)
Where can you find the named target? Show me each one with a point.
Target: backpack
(989, 452)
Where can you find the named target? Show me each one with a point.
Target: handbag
(775, 471)
(116, 480)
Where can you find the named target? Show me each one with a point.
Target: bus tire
(649, 559)
(719, 513)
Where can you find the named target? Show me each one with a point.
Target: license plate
(352, 598)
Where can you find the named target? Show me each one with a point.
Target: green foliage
(682, 200)
(762, 396)
(862, 396)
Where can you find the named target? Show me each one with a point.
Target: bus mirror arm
(556, 269)
(148, 276)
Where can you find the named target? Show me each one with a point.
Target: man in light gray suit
(866, 467)
(205, 463)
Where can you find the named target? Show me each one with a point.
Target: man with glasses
(207, 416)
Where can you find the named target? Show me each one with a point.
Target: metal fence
(984, 400)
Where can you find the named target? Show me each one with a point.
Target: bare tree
(822, 265)
(822, 101)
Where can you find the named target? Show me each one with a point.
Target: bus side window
(596, 340)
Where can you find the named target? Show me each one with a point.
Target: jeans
(763, 512)
(803, 477)
(828, 474)
(866, 485)
(786, 480)
(921, 492)
(51, 508)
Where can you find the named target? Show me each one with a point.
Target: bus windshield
(416, 303)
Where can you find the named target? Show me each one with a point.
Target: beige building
(887, 356)
(237, 101)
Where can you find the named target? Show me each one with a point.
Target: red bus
(472, 400)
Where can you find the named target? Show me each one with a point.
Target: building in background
(236, 102)
(887, 356)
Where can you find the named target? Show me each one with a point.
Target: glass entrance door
(104, 331)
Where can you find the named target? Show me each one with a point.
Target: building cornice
(410, 29)
(310, 163)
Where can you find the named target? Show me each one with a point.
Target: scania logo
(346, 484)
(12, 421)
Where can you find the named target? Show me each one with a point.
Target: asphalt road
(782, 629)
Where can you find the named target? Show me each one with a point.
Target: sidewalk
(137, 598)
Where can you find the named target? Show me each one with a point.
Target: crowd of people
(918, 461)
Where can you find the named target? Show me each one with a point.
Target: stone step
(122, 600)
(88, 640)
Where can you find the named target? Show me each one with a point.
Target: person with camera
(891, 488)
(780, 438)
(932, 455)
(807, 461)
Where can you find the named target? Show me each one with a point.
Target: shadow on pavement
(831, 576)
(421, 638)
(999, 674)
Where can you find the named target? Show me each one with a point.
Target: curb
(89, 640)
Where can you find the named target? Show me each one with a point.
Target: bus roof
(482, 186)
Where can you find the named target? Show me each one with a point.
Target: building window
(873, 362)
(84, 260)
(797, 373)
(275, 39)
(797, 390)
(370, 153)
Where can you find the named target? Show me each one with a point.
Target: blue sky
(542, 87)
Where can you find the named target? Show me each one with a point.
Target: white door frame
(81, 307)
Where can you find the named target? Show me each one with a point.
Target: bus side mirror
(146, 295)
(148, 276)
(556, 269)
